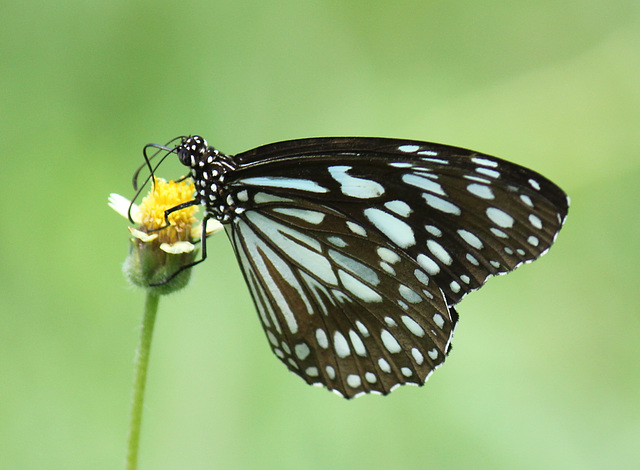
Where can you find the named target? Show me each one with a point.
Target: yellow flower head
(157, 252)
(162, 197)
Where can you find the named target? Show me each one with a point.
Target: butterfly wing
(461, 215)
(356, 249)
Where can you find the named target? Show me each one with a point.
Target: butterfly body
(355, 250)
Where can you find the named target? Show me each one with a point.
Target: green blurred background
(545, 372)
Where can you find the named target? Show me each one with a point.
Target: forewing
(461, 216)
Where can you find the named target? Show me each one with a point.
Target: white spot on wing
(340, 344)
(390, 342)
(284, 182)
(265, 198)
(433, 230)
(312, 217)
(401, 164)
(527, 200)
(439, 321)
(480, 190)
(388, 255)
(484, 161)
(488, 172)
(337, 241)
(357, 229)
(409, 148)
(534, 184)
(321, 338)
(413, 326)
(358, 288)
(471, 239)
(362, 329)
(477, 178)
(384, 365)
(360, 188)
(500, 217)
(437, 161)
(428, 264)
(399, 207)
(272, 338)
(439, 252)
(417, 356)
(423, 183)
(354, 381)
(302, 351)
(388, 268)
(535, 221)
(409, 295)
(358, 345)
(395, 229)
(441, 204)
(421, 276)
(331, 372)
(498, 233)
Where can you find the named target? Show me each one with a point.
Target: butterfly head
(192, 149)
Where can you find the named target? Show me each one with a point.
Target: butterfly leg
(168, 212)
(203, 239)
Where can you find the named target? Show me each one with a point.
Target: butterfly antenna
(147, 159)
(147, 163)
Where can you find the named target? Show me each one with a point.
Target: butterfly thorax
(209, 169)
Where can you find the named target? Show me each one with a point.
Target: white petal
(213, 226)
(145, 237)
(121, 204)
(177, 247)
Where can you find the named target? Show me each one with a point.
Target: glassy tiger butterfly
(356, 250)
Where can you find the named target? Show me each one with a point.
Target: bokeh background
(545, 370)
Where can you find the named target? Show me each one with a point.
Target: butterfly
(356, 250)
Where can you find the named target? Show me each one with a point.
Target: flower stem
(140, 377)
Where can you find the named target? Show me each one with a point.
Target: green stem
(140, 377)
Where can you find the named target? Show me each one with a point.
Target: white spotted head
(192, 150)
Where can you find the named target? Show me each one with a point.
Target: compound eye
(183, 155)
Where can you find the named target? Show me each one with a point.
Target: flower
(157, 252)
